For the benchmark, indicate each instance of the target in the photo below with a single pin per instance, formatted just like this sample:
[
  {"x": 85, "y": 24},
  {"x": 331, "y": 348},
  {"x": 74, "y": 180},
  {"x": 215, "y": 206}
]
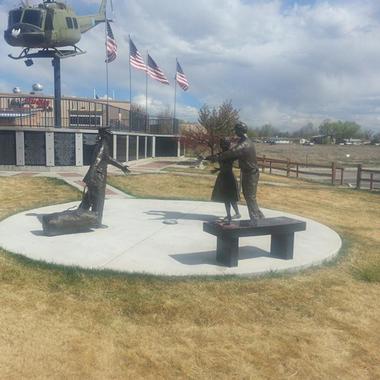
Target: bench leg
[
  {"x": 227, "y": 251},
  {"x": 282, "y": 246}
]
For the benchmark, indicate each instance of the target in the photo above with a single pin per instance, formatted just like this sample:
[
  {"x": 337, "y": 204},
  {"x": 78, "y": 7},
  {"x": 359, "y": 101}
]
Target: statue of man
[
  {"x": 96, "y": 177},
  {"x": 245, "y": 152}
]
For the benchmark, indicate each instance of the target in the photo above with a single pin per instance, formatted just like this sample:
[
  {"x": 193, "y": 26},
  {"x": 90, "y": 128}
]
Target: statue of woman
[{"x": 226, "y": 189}]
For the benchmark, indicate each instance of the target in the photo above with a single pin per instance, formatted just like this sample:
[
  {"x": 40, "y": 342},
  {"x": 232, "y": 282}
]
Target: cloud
[{"x": 285, "y": 65}]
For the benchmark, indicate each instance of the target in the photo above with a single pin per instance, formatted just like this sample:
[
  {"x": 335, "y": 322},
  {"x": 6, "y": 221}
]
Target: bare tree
[{"x": 213, "y": 124}]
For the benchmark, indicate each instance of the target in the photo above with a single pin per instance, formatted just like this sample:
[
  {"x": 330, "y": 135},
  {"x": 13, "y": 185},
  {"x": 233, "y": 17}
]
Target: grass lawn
[{"x": 319, "y": 324}]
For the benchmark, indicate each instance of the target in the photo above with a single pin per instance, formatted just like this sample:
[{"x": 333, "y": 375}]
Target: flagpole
[
  {"x": 146, "y": 95},
  {"x": 175, "y": 95},
  {"x": 130, "y": 85},
  {"x": 105, "y": 33}
]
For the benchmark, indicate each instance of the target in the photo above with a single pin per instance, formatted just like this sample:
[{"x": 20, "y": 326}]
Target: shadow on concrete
[
  {"x": 163, "y": 215},
  {"x": 42, "y": 233},
  {"x": 209, "y": 257}
]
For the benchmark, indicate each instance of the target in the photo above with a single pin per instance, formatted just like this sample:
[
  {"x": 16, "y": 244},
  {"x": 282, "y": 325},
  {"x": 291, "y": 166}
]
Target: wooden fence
[
  {"x": 333, "y": 172},
  {"x": 367, "y": 175}
]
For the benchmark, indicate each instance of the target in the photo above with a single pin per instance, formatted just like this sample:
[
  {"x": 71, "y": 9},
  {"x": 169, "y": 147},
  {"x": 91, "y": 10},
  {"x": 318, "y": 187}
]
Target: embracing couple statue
[{"x": 244, "y": 151}]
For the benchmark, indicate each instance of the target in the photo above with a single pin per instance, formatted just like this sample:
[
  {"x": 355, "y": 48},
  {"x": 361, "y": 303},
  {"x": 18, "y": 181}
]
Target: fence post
[
  {"x": 263, "y": 168},
  {"x": 359, "y": 176},
  {"x": 288, "y": 167},
  {"x": 341, "y": 176},
  {"x": 270, "y": 166},
  {"x": 371, "y": 181},
  {"x": 297, "y": 168},
  {"x": 333, "y": 172}
]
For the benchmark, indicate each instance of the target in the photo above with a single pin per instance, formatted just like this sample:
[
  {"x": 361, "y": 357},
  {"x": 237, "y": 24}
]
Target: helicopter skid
[{"x": 48, "y": 53}]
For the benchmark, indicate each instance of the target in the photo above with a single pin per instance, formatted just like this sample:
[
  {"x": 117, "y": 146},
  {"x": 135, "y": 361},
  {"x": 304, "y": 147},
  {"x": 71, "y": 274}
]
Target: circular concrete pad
[{"x": 160, "y": 237}]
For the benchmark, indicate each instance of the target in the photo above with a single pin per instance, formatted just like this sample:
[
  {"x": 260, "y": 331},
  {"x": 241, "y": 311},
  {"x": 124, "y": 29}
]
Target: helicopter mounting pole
[{"x": 56, "y": 62}]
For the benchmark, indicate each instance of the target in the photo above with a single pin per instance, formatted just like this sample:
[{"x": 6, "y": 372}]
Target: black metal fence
[{"x": 28, "y": 110}]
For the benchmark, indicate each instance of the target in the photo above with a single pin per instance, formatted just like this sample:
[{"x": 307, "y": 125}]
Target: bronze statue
[
  {"x": 226, "y": 189},
  {"x": 96, "y": 177},
  {"x": 89, "y": 214},
  {"x": 245, "y": 152}
]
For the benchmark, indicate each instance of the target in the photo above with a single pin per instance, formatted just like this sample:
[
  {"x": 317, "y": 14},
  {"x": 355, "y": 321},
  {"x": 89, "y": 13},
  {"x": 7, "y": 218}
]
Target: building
[
  {"x": 29, "y": 137},
  {"x": 322, "y": 139}
]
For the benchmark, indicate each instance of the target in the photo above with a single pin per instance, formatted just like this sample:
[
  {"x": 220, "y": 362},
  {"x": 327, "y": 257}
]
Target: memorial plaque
[
  {"x": 149, "y": 146},
  {"x": 89, "y": 141},
  {"x": 121, "y": 148},
  {"x": 35, "y": 148},
  {"x": 7, "y": 148},
  {"x": 142, "y": 147},
  {"x": 132, "y": 148},
  {"x": 64, "y": 149}
]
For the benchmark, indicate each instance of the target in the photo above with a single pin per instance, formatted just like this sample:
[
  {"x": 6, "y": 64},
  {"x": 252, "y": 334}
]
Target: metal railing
[{"x": 29, "y": 110}]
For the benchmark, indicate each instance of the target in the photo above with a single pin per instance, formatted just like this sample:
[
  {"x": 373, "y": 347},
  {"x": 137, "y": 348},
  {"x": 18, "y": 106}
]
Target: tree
[
  {"x": 213, "y": 124},
  {"x": 138, "y": 117},
  {"x": 267, "y": 130},
  {"x": 376, "y": 138},
  {"x": 368, "y": 134},
  {"x": 340, "y": 129},
  {"x": 306, "y": 131},
  {"x": 165, "y": 121}
]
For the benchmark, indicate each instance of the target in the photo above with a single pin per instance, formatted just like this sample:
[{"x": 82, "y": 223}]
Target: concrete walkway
[{"x": 74, "y": 176}]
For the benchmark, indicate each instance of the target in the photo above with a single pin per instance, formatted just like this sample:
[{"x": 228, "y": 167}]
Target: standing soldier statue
[
  {"x": 96, "y": 177},
  {"x": 245, "y": 152}
]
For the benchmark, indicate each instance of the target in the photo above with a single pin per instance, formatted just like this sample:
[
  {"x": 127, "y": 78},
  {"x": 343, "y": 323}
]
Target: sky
[{"x": 283, "y": 62}]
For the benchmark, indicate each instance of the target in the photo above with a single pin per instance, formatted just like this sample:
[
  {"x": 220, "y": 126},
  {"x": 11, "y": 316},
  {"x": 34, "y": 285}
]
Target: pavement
[
  {"x": 74, "y": 175},
  {"x": 156, "y": 236},
  {"x": 161, "y": 237}
]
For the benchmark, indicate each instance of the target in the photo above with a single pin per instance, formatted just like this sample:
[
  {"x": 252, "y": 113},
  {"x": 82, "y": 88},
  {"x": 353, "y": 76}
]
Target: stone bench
[{"x": 281, "y": 229}]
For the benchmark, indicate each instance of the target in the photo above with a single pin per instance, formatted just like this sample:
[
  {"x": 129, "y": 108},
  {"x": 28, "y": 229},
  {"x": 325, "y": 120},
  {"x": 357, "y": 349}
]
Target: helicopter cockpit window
[
  {"x": 75, "y": 23},
  {"x": 69, "y": 22},
  {"x": 14, "y": 17},
  {"x": 33, "y": 17}
]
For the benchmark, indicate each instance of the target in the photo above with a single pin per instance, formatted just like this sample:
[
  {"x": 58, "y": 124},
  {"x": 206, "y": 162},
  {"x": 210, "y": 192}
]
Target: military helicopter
[{"x": 49, "y": 26}]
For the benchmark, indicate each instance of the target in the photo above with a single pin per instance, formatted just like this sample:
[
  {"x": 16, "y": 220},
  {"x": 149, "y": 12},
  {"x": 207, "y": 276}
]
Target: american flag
[
  {"x": 110, "y": 44},
  {"x": 135, "y": 58},
  {"x": 181, "y": 79},
  {"x": 155, "y": 72}
]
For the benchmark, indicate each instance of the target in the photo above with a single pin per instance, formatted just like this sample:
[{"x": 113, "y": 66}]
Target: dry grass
[
  {"x": 369, "y": 155},
  {"x": 320, "y": 324},
  {"x": 192, "y": 184}
]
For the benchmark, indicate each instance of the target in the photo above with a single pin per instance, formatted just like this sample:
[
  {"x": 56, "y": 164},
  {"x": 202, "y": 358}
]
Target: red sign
[{"x": 35, "y": 103}]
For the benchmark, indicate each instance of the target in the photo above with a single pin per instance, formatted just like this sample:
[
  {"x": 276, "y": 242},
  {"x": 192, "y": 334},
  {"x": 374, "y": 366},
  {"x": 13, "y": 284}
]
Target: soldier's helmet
[{"x": 241, "y": 127}]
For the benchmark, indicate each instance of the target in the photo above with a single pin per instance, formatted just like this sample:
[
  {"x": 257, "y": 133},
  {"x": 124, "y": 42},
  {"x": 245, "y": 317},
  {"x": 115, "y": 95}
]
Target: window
[
  {"x": 14, "y": 17},
  {"x": 75, "y": 23},
  {"x": 33, "y": 17},
  {"x": 69, "y": 22}
]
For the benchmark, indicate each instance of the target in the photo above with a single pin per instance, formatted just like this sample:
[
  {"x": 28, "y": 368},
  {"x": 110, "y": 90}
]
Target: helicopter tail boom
[
  {"x": 88, "y": 22},
  {"x": 102, "y": 9}
]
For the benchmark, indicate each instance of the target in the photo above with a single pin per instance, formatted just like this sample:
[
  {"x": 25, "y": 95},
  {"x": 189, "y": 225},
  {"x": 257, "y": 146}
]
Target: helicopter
[{"x": 48, "y": 26}]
